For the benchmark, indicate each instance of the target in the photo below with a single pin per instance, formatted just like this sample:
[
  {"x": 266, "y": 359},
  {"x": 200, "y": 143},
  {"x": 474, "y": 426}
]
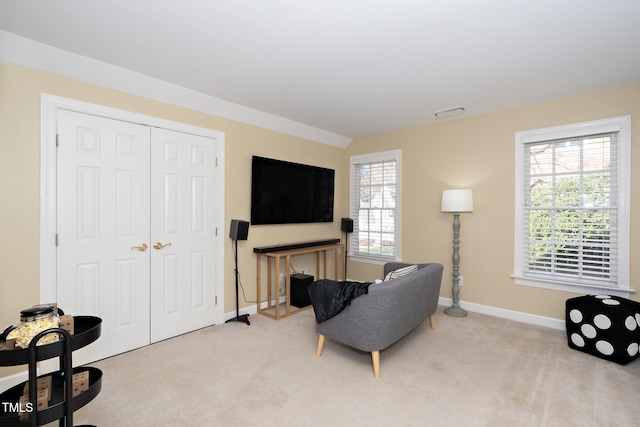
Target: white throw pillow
[{"x": 400, "y": 272}]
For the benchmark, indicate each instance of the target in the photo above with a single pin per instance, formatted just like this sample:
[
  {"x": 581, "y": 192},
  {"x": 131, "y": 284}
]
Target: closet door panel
[
  {"x": 183, "y": 233},
  {"x": 103, "y": 186}
]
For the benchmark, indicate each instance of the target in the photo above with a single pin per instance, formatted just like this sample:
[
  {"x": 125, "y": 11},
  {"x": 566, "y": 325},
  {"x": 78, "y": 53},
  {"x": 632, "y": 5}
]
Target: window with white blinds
[
  {"x": 375, "y": 197},
  {"x": 573, "y": 206}
]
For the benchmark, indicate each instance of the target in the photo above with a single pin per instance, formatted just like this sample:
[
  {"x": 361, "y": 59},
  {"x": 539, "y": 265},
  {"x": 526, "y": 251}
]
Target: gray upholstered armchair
[{"x": 388, "y": 312}]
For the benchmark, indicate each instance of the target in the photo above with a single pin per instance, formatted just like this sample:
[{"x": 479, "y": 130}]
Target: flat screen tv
[{"x": 289, "y": 193}]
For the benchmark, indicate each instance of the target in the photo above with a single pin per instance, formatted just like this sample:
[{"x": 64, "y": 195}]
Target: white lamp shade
[{"x": 457, "y": 201}]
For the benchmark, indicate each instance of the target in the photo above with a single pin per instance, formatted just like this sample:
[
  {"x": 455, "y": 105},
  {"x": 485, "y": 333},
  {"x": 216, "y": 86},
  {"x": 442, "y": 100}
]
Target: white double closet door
[{"x": 135, "y": 230}]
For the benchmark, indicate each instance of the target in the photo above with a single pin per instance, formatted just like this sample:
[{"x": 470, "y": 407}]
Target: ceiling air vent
[{"x": 449, "y": 112}]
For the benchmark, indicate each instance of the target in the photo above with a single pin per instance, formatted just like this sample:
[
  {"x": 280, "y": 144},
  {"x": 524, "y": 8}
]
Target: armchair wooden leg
[
  {"x": 375, "y": 356},
  {"x": 320, "y": 345},
  {"x": 432, "y": 321}
]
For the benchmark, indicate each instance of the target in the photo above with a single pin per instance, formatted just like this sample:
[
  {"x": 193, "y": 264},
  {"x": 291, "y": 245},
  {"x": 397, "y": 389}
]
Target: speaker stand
[
  {"x": 346, "y": 254},
  {"x": 239, "y": 318}
]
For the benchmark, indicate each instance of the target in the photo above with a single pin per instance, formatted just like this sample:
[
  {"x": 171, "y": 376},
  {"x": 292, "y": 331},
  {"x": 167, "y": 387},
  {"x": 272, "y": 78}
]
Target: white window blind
[
  {"x": 572, "y": 218},
  {"x": 375, "y": 195},
  {"x": 570, "y": 209}
]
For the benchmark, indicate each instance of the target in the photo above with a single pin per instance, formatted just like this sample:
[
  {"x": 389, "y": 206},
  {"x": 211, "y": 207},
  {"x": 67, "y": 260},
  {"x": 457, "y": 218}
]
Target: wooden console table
[{"x": 285, "y": 252}]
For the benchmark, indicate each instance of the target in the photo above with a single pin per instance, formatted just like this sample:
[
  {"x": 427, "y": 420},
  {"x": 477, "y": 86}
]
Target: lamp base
[{"x": 455, "y": 311}]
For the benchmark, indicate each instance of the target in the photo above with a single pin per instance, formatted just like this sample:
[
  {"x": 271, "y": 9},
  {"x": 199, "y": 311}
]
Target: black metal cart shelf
[{"x": 87, "y": 330}]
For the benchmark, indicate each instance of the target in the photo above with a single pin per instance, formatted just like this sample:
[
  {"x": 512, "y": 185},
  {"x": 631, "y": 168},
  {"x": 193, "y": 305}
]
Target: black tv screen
[{"x": 288, "y": 193}]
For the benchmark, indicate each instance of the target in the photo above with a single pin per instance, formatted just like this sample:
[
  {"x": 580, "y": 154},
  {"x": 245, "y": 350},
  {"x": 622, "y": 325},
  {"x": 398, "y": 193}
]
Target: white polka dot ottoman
[{"x": 604, "y": 326}]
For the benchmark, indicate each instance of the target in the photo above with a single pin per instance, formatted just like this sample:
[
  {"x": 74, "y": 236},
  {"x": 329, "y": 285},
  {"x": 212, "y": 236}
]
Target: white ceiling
[{"x": 352, "y": 67}]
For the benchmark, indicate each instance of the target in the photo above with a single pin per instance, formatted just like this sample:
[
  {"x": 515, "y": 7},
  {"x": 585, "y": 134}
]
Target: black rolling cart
[{"x": 61, "y": 403}]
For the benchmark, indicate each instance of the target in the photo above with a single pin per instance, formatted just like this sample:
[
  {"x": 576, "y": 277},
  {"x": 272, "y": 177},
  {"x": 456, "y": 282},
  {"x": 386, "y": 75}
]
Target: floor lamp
[
  {"x": 456, "y": 201},
  {"x": 239, "y": 231}
]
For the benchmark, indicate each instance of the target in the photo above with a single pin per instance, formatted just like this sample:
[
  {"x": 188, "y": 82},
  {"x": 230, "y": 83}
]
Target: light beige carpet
[{"x": 474, "y": 371}]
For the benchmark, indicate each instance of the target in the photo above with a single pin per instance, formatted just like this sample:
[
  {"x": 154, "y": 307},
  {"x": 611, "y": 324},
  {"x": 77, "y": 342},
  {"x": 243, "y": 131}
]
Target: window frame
[
  {"x": 622, "y": 126},
  {"x": 395, "y": 155}
]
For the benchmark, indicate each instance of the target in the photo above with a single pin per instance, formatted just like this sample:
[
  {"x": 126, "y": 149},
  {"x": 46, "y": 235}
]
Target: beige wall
[
  {"x": 478, "y": 153},
  {"x": 20, "y": 90},
  {"x": 475, "y": 152}
]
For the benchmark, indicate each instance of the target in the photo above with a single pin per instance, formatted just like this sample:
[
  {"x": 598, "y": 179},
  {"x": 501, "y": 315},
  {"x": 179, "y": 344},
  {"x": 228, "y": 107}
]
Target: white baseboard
[
  {"x": 548, "y": 322},
  {"x": 247, "y": 310},
  {"x": 44, "y": 367},
  {"x": 251, "y": 309},
  {"x": 10, "y": 380}
]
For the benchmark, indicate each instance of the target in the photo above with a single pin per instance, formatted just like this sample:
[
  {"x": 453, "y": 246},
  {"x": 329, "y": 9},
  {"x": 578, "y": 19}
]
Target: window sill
[
  {"x": 378, "y": 261},
  {"x": 572, "y": 287}
]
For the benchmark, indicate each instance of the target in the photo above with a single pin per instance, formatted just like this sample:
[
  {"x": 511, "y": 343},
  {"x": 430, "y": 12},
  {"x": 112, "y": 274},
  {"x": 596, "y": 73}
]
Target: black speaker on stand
[
  {"x": 239, "y": 231},
  {"x": 347, "y": 227}
]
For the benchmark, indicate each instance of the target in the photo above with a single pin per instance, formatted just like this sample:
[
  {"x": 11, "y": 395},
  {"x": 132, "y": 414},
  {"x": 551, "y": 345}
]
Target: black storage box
[{"x": 300, "y": 290}]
